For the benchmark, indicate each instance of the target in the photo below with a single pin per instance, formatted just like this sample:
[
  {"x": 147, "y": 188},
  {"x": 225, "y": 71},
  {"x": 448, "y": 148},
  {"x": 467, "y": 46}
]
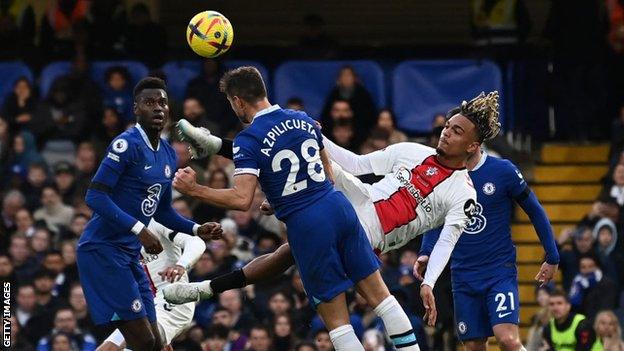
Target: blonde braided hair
[{"x": 483, "y": 112}]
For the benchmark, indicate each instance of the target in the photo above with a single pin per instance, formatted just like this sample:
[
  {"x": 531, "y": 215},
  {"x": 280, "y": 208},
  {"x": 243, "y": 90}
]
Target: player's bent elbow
[{"x": 242, "y": 204}]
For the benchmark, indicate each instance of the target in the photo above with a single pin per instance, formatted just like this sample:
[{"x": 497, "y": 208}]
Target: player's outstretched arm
[
  {"x": 192, "y": 249},
  {"x": 238, "y": 197},
  {"x": 349, "y": 161},
  {"x": 166, "y": 215},
  {"x": 531, "y": 206}
]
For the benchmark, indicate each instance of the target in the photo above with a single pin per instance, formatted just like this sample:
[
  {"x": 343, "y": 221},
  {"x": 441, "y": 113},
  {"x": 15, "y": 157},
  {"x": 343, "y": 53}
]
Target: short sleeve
[
  {"x": 515, "y": 181},
  {"x": 244, "y": 156},
  {"x": 118, "y": 155}
]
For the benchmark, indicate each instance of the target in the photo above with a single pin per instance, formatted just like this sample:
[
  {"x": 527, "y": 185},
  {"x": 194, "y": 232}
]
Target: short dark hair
[
  {"x": 590, "y": 256},
  {"x": 302, "y": 344},
  {"x": 295, "y": 100},
  {"x": 53, "y": 252},
  {"x": 123, "y": 71},
  {"x": 261, "y": 327},
  {"x": 560, "y": 293},
  {"x": 321, "y": 331},
  {"x": 245, "y": 82},
  {"x": 148, "y": 83},
  {"x": 217, "y": 330}
]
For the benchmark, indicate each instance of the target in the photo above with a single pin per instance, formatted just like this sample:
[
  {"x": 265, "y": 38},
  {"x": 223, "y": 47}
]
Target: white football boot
[
  {"x": 181, "y": 293},
  {"x": 202, "y": 142}
]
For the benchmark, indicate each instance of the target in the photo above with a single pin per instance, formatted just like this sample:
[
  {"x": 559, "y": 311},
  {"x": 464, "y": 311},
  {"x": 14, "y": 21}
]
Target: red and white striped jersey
[{"x": 417, "y": 194}]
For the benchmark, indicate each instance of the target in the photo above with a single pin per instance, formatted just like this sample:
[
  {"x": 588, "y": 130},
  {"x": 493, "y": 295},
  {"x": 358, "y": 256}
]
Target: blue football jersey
[
  {"x": 144, "y": 176},
  {"x": 282, "y": 148},
  {"x": 485, "y": 249}
]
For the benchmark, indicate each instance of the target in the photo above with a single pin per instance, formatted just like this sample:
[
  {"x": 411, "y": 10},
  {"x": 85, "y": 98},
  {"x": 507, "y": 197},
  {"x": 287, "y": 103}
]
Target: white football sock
[
  {"x": 397, "y": 324},
  {"x": 344, "y": 339}
]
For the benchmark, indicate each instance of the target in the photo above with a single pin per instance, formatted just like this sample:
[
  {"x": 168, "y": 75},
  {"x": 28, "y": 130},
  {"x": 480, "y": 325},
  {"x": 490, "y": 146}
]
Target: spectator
[
  {"x": 24, "y": 264},
  {"x": 236, "y": 340},
  {"x": 18, "y": 341},
  {"x": 566, "y": 330},
  {"x": 216, "y": 338},
  {"x": 108, "y": 21},
  {"x": 195, "y": 112},
  {"x": 386, "y": 120},
  {"x": 241, "y": 319},
  {"x": 322, "y": 340},
  {"x": 53, "y": 211},
  {"x": 305, "y": 346},
  {"x": 86, "y": 165},
  {"x": 295, "y": 103},
  {"x": 205, "y": 88},
  {"x": 283, "y": 339},
  {"x": 279, "y": 303},
  {"x": 111, "y": 126},
  {"x": 33, "y": 188},
  {"x": 78, "y": 304},
  {"x": 343, "y": 134},
  {"x": 608, "y": 331},
  {"x": 47, "y": 304},
  {"x": 24, "y": 154},
  {"x": 222, "y": 257},
  {"x": 76, "y": 227},
  {"x": 373, "y": 340},
  {"x": 340, "y": 109},
  {"x": 591, "y": 291},
  {"x": 12, "y": 202},
  {"x": 184, "y": 160},
  {"x": 118, "y": 93},
  {"x": 26, "y": 304},
  {"x": 204, "y": 268},
  {"x": 40, "y": 242},
  {"x": 6, "y": 271},
  {"x": 68, "y": 249},
  {"x": 350, "y": 89},
  {"x": 60, "y": 116},
  {"x": 53, "y": 261},
  {"x": 606, "y": 237},
  {"x": 82, "y": 88},
  {"x": 65, "y": 180},
  {"x": 582, "y": 243},
  {"x": 65, "y": 322},
  {"x": 24, "y": 222},
  {"x": 617, "y": 189},
  {"x": 617, "y": 137},
  {"x": 182, "y": 207},
  {"x": 260, "y": 339},
  {"x": 314, "y": 41},
  {"x": 540, "y": 319},
  {"x": 146, "y": 40},
  {"x": 58, "y": 27},
  {"x": 20, "y": 105}
]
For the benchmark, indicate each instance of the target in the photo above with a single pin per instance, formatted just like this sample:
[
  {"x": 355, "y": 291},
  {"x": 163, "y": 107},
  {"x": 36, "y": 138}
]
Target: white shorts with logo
[{"x": 172, "y": 320}]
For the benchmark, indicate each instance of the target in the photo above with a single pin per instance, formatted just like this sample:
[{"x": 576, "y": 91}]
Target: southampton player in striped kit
[
  {"x": 421, "y": 190},
  {"x": 180, "y": 252},
  {"x": 483, "y": 264}
]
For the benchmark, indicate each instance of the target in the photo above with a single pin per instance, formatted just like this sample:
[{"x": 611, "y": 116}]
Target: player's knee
[{"x": 510, "y": 343}]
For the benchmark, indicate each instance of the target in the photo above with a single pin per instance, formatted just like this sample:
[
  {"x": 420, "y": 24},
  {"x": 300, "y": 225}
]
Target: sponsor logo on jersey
[
  {"x": 235, "y": 149},
  {"x": 503, "y": 315},
  {"x": 489, "y": 188},
  {"x": 167, "y": 171},
  {"x": 149, "y": 205},
  {"x": 474, "y": 211},
  {"x": 120, "y": 145},
  {"x": 462, "y": 328},
  {"x": 136, "y": 306}
]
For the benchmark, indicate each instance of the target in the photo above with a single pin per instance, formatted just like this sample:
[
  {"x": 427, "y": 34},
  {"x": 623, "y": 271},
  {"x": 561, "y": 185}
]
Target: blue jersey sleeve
[
  {"x": 245, "y": 155},
  {"x": 518, "y": 189},
  {"x": 429, "y": 240},
  {"x": 167, "y": 216},
  {"x": 119, "y": 155}
]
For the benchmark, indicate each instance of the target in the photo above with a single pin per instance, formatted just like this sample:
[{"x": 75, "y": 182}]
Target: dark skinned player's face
[
  {"x": 152, "y": 109},
  {"x": 459, "y": 137}
]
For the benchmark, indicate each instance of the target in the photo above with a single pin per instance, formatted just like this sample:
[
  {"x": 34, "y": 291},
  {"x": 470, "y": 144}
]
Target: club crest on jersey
[
  {"x": 474, "y": 211},
  {"x": 462, "y": 328},
  {"x": 120, "y": 145},
  {"x": 167, "y": 171},
  {"x": 136, "y": 306},
  {"x": 489, "y": 188},
  {"x": 149, "y": 205},
  {"x": 431, "y": 171}
]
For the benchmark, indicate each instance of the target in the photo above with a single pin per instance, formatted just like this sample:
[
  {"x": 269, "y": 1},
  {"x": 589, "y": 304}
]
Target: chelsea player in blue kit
[
  {"x": 283, "y": 150},
  {"x": 132, "y": 185},
  {"x": 483, "y": 263}
]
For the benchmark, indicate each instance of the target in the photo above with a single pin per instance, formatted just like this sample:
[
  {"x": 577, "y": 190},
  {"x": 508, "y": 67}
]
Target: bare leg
[
  {"x": 138, "y": 334},
  {"x": 335, "y": 315},
  {"x": 269, "y": 266},
  {"x": 158, "y": 339},
  {"x": 508, "y": 336},
  {"x": 476, "y": 345}
]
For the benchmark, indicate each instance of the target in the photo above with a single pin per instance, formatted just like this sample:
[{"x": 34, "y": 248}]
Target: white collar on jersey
[
  {"x": 266, "y": 110},
  {"x": 146, "y": 139},
  {"x": 484, "y": 156}
]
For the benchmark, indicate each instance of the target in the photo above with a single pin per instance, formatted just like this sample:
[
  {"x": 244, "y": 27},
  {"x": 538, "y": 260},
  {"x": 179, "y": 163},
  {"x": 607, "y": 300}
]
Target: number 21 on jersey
[{"x": 314, "y": 166}]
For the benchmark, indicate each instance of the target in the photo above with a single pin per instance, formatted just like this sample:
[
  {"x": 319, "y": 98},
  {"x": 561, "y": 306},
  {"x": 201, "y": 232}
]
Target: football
[{"x": 210, "y": 34}]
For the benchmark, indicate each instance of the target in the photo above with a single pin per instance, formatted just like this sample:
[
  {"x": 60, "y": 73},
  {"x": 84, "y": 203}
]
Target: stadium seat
[
  {"x": 421, "y": 89},
  {"x": 313, "y": 80},
  {"x": 136, "y": 69},
  {"x": 179, "y": 73},
  {"x": 50, "y": 73},
  {"x": 10, "y": 72}
]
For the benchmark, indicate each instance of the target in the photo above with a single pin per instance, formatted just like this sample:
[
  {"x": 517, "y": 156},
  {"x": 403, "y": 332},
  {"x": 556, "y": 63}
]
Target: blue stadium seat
[
  {"x": 10, "y": 72},
  {"x": 422, "y": 89},
  {"x": 136, "y": 69},
  {"x": 50, "y": 73},
  {"x": 313, "y": 80},
  {"x": 179, "y": 73}
]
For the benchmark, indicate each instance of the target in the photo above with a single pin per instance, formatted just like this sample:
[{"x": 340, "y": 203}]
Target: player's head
[
  {"x": 151, "y": 105},
  {"x": 468, "y": 125},
  {"x": 244, "y": 88},
  {"x": 559, "y": 305}
]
